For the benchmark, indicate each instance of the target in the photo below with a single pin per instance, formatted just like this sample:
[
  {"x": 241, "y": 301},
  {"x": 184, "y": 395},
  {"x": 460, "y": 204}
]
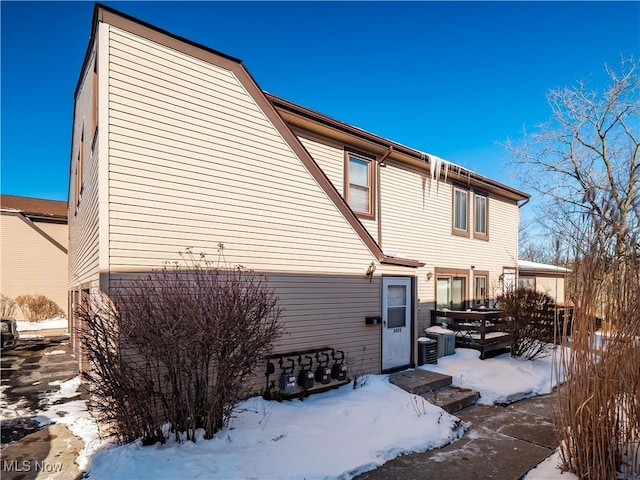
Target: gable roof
[
  {"x": 305, "y": 118},
  {"x": 132, "y": 25},
  {"x": 37, "y": 207}
]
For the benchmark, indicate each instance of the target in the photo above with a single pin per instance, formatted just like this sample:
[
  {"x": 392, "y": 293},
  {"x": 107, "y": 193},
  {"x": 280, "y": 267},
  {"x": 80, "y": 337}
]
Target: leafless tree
[{"x": 583, "y": 163}]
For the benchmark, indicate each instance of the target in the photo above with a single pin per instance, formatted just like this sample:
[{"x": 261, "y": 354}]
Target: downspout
[{"x": 379, "y": 195}]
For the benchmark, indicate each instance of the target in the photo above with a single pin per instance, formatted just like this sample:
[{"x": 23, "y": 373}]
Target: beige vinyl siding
[
  {"x": 552, "y": 286},
  {"x": 416, "y": 222},
  {"x": 323, "y": 311},
  {"x": 30, "y": 263},
  {"x": 58, "y": 231},
  {"x": 330, "y": 157},
  {"x": 416, "y": 216},
  {"x": 83, "y": 220},
  {"x": 194, "y": 162}
]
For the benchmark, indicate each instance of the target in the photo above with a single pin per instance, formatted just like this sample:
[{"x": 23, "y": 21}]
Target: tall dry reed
[{"x": 599, "y": 405}]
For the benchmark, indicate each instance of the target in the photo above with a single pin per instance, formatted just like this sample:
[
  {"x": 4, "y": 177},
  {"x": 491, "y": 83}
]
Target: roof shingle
[{"x": 34, "y": 206}]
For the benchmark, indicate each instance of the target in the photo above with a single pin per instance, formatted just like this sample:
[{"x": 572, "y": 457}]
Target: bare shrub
[
  {"x": 7, "y": 306},
  {"x": 38, "y": 307},
  {"x": 179, "y": 345},
  {"x": 122, "y": 395},
  {"x": 529, "y": 318}
]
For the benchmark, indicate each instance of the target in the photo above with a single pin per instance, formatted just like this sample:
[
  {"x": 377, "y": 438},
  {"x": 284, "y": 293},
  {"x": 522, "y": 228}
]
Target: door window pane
[
  {"x": 396, "y": 295},
  {"x": 396, "y": 306},
  {"x": 396, "y": 317}
]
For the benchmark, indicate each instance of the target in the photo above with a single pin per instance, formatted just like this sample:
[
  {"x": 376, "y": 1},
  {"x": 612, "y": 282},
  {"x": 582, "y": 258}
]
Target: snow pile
[
  {"x": 336, "y": 434},
  {"x": 549, "y": 469},
  {"x": 49, "y": 323},
  {"x": 65, "y": 407},
  {"x": 501, "y": 379}
]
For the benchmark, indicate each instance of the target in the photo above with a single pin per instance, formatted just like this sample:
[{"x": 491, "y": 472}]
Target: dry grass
[
  {"x": 38, "y": 307},
  {"x": 7, "y": 306},
  {"x": 599, "y": 406}
]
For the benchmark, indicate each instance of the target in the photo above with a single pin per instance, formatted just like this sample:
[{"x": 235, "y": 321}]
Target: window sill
[
  {"x": 460, "y": 233},
  {"x": 365, "y": 216}
]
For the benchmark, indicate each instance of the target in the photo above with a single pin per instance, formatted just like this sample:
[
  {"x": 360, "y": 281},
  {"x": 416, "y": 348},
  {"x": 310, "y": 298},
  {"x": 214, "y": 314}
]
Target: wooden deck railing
[{"x": 477, "y": 329}]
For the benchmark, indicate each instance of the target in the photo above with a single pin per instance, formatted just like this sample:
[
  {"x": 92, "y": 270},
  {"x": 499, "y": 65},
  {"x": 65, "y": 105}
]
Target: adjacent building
[{"x": 33, "y": 239}]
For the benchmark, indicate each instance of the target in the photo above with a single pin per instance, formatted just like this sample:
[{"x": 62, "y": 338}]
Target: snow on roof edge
[{"x": 543, "y": 267}]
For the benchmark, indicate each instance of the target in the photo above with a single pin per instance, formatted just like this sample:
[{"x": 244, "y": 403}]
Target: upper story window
[
  {"x": 79, "y": 181},
  {"x": 460, "y": 212},
  {"x": 94, "y": 97},
  {"x": 480, "y": 217},
  {"x": 358, "y": 184}
]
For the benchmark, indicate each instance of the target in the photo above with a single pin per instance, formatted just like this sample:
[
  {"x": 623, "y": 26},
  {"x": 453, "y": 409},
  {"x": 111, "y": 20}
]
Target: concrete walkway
[
  {"x": 502, "y": 443},
  {"x": 49, "y": 453},
  {"x": 28, "y": 371}
]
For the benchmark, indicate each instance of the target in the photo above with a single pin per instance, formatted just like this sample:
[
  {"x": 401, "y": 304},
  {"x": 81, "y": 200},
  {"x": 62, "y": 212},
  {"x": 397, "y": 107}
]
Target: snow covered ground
[
  {"x": 501, "y": 379},
  {"x": 548, "y": 470},
  {"x": 336, "y": 434},
  {"x": 50, "y": 323},
  {"x": 33, "y": 330}
]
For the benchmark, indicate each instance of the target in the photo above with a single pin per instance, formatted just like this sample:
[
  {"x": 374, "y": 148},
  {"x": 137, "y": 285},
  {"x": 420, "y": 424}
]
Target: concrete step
[
  {"x": 451, "y": 399},
  {"x": 419, "y": 381}
]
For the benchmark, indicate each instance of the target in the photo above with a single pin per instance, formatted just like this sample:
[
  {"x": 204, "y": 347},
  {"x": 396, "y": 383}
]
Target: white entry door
[{"x": 396, "y": 322}]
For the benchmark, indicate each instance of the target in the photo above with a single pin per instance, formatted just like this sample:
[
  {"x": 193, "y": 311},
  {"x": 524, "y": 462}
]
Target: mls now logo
[{"x": 30, "y": 465}]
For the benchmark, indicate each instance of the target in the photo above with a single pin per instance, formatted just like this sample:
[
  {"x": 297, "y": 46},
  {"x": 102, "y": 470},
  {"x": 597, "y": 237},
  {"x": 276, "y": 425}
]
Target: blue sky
[{"x": 448, "y": 78}]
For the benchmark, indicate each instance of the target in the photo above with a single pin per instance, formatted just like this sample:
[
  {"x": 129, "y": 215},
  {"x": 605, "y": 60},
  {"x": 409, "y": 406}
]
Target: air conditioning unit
[
  {"x": 446, "y": 340},
  {"x": 427, "y": 351}
]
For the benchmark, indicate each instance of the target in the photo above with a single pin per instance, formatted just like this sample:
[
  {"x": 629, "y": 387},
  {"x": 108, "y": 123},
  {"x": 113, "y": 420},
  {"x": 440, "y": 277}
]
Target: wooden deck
[{"x": 477, "y": 329}]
